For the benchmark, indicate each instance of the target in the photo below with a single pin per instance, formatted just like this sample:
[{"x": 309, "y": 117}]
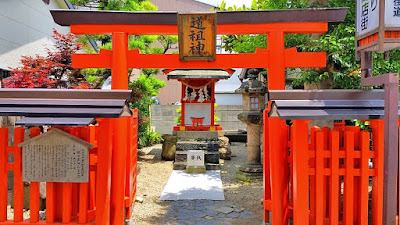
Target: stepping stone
[
  {"x": 224, "y": 209},
  {"x": 233, "y": 215}
]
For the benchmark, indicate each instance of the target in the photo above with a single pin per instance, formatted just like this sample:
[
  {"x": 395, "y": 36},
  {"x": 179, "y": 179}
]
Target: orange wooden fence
[
  {"x": 71, "y": 203},
  {"x": 323, "y": 176}
]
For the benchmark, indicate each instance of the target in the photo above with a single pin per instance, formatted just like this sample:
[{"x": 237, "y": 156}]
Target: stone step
[
  {"x": 213, "y": 166},
  {"x": 197, "y": 145},
  {"x": 209, "y": 166},
  {"x": 210, "y": 157},
  {"x": 196, "y": 135}
]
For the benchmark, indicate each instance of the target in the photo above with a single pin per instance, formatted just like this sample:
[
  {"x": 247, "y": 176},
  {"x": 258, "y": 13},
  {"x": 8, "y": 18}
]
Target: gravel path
[{"x": 242, "y": 204}]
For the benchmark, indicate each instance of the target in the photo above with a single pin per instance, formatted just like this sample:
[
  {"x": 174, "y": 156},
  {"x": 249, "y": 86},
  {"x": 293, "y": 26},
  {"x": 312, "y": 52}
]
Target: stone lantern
[{"x": 253, "y": 95}]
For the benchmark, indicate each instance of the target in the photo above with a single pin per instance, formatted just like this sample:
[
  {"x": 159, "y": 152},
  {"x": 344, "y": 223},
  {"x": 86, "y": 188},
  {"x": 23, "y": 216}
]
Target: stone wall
[{"x": 163, "y": 117}]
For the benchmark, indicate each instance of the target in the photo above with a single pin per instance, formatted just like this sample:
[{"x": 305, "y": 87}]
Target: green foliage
[
  {"x": 143, "y": 89},
  {"x": 144, "y": 43},
  {"x": 178, "y": 119},
  {"x": 364, "y": 125},
  {"x": 338, "y": 43}
]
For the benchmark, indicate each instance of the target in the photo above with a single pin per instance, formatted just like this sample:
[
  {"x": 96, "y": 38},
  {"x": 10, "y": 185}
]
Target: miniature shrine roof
[
  {"x": 70, "y": 17},
  {"x": 327, "y": 104},
  {"x": 198, "y": 74},
  {"x": 64, "y": 103}
]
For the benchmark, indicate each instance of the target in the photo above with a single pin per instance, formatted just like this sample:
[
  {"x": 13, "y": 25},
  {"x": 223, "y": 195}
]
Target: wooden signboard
[
  {"x": 197, "y": 36},
  {"x": 55, "y": 156}
]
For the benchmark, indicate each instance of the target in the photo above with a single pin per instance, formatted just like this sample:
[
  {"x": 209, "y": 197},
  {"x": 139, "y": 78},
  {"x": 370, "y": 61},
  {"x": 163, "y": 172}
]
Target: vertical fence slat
[
  {"x": 349, "y": 179},
  {"x": 356, "y": 184},
  {"x": 279, "y": 179},
  {"x": 3, "y": 173},
  {"x": 75, "y": 196},
  {"x": 50, "y": 202},
  {"x": 266, "y": 165},
  {"x": 377, "y": 180},
  {"x": 18, "y": 184},
  {"x": 66, "y": 202},
  {"x": 300, "y": 172},
  {"x": 135, "y": 147},
  {"x": 334, "y": 179},
  {"x": 129, "y": 171},
  {"x": 92, "y": 174},
  {"x": 118, "y": 170},
  {"x": 313, "y": 131},
  {"x": 319, "y": 179},
  {"x": 326, "y": 131},
  {"x": 364, "y": 179},
  {"x": 103, "y": 181},
  {"x": 34, "y": 188},
  {"x": 84, "y": 187}
]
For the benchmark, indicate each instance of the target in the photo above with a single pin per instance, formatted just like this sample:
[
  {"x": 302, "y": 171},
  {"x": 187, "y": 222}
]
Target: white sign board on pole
[
  {"x": 367, "y": 16},
  {"x": 392, "y": 13}
]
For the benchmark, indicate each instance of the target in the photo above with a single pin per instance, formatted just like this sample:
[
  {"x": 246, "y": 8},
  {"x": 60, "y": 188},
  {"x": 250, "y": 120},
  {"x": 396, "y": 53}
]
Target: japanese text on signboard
[
  {"x": 367, "y": 16},
  {"x": 197, "y": 36}
]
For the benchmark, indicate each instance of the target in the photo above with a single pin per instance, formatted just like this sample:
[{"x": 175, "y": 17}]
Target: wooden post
[
  {"x": 300, "y": 172},
  {"x": 119, "y": 81},
  {"x": 18, "y": 184},
  {"x": 3, "y": 173},
  {"x": 348, "y": 202},
  {"x": 334, "y": 179},
  {"x": 103, "y": 182},
  {"x": 34, "y": 188},
  {"x": 377, "y": 180},
  {"x": 266, "y": 166},
  {"x": 279, "y": 172}
]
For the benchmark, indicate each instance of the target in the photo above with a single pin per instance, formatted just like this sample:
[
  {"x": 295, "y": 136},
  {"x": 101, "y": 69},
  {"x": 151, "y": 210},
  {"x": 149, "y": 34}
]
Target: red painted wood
[{"x": 260, "y": 28}]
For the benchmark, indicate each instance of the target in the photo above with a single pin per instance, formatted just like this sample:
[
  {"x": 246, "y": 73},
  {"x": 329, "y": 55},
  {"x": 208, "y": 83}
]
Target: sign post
[{"x": 378, "y": 30}]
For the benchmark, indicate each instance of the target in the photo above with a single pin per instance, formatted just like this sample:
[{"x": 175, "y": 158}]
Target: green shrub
[{"x": 143, "y": 89}]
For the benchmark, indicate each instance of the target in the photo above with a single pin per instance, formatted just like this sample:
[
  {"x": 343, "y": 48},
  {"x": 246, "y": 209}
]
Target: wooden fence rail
[
  {"x": 329, "y": 176},
  {"x": 71, "y": 203}
]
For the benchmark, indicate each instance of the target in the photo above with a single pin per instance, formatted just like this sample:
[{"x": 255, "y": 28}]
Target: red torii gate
[{"x": 276, "y": 58}]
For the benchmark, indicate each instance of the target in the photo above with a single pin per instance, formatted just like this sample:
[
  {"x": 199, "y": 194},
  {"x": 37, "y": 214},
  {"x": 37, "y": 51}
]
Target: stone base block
[
  {"x": 196, "y": 135},
  {"x": 179, "y": 166},
  {"x": 212, "y": 157},
  {"x": 212, "y": 166},
  {"x": 209, "y": 166},
  {"x": 181, "y": 156},
  {"x": 195, "y": 169},
  {"x": 198, "y": 145}
]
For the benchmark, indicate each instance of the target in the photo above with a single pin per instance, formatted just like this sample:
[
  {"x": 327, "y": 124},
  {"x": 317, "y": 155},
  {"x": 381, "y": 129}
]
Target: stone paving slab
[
  {"x": 207, "y": 212},
  {"x": 184, "y": 186}
]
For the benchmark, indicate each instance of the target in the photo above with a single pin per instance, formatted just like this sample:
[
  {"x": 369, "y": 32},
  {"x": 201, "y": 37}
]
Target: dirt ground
[{"x": 154, "y": 173}]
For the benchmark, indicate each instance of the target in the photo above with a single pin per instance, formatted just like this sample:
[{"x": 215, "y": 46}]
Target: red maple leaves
[{"x": 51, "y": 71}]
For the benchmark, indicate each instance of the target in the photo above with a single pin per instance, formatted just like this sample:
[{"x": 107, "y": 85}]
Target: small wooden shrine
[{"x": 198, "y": 98}]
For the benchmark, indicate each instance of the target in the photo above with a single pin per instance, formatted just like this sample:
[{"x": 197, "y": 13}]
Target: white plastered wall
[
  {"x": 26, "y": 27},
  {"x": 198, "y": 110}
]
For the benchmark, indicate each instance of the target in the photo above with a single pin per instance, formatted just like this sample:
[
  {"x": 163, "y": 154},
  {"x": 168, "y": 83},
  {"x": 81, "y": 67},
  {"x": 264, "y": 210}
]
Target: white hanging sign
[
  {"x": 367, "y": 16},
  {"x": 392, "y": 13}
]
